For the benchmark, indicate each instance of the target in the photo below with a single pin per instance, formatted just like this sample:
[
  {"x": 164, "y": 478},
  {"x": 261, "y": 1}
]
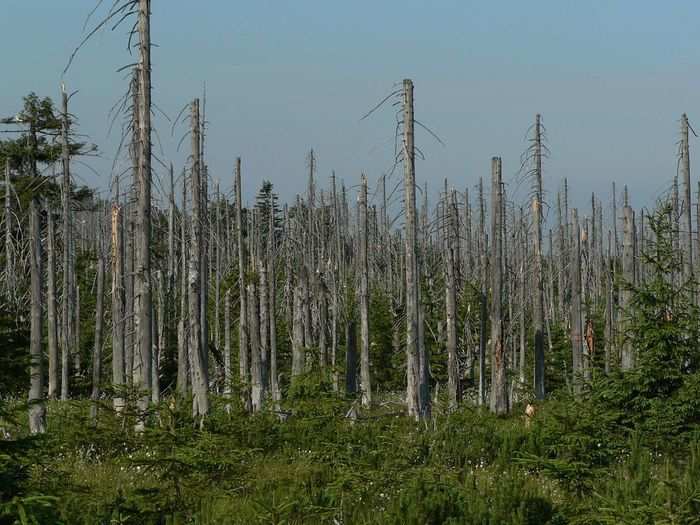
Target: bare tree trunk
[
  {"x": 67, "y": 298},
  {"x": 264, "y": 312},
  {"x": 365, "y": 381},
  {"x": 627, "y": 353},
  {"x": 118, "y": 322},
  {"x": 142, "y": 269},
  {"x": 51, "y": 307},
  {"x": 686, "y": 207},
  {"x": 483, "y": 270},
  {"x": 256, "y": 389},
  {"x": 242, "y": 327},
  {"x": 37, "y": 410},
  {"x": 337, "y": 279},
  {"x": 451, "y": 253},
  {"x": 298, "y": 358},
  {"x": 274, "y": 384},
  {"x": 609, "y": 304},
  {"x": 159, "y": 335},
  {"x": 227, "y": 348},
  {"x": 182, "y": 346},
  {"x": 499, "y": 385},
  {"x": 576, "y": 309},
  {"x": 9, "y": 252},
  {"x": 351, "y": 356},
  {"x": 200, "y": 383},
  {"x": 412, "y": 274},
  {"x": 99, "y": 315},
  {"x": 539, "y": 285}
]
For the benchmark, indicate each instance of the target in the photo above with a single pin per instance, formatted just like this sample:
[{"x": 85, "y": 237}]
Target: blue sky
[{"x": 611, "y": 79}]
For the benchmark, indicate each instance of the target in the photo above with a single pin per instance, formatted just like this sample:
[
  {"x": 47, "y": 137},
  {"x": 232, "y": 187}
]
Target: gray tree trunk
[
  {"x": 256, "y": 387},
  {"x": 66, "y": 289},
  {"x": 499, "y": 385},
  {"x": 243, "y": 355},
  {"x": 576, "y": 308},
  {"x": 538, "y": 318},
  {"x": 365, "y": 381},
  {"x": 51, "y": 307},
  {"x": 627, "y": 352},
  {"x": 412, "y": 272},
  {"x": 684, "y": 164},
  {"x": 37, "y": 410},
  {"x": 200, "y": 381},
  {"x": 142, "y": 268},
  {"x": 182, "y": 346},
  {"x": 99, "y": 316},
  {"x": 451, "y": 253},
  {"x": 118, "y": 321}
]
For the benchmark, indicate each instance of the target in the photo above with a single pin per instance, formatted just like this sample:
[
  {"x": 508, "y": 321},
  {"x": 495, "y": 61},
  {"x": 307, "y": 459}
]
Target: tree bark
[
  {"x": 243, "y": 355},
  {"x": 200, "y": 382},
  {"x": 499, "y": 386},
  {"x": 99, "y": 315},
  {"x": 142, "y": 269},
  {"x": 365, "y": 380},
  {"x": 51, "y": 308},
  {"x": 413, "y": 346}
]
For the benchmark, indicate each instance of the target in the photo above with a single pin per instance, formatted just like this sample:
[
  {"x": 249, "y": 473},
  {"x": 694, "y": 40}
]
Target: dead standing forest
[{"x": 357, "y": 355}]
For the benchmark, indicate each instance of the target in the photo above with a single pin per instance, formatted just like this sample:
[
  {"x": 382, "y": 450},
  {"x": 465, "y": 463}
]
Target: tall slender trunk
[
  {"x": 200, "y": 382},
  {"x": 576, "y": 308},
  {"x": 483, "y": 278},
  {"x": 365, "y": 381},
  {"x": 412, "y": 271},
  {"x": 99, "y": 316},
  {"x": 538, "y": 319},
  {"x": 499, "y": 385},
  {"x": 243, "y": 355},
  {"x": 51, "y": 307},
  {"x": 687, "y": 204},
  {"x": 227, "y": 347},
  {"x": 142, "y": 266},
  {"x": 451, "y": 253},
  {"x": 297, "y": 334},
  {"x": 256, "y": 387},
  {"x": 271, "y": 248},
  {"x": 182, "y": 346},
  {"x": 118, "y": 321},
  {"x": 627, "y": 352},
  {"x": 66, "y": 288},
  {"x": 37, "y": 410},
  {"x": 9, "y": 252}
]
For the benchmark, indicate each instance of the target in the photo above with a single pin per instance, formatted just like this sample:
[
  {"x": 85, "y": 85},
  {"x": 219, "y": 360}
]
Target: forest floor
[{"x": 319, "y": 466}]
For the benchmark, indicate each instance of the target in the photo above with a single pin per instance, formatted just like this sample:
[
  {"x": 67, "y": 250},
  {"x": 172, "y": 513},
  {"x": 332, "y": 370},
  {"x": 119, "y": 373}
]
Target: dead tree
[
  {"x": 576, "y": 308},
  {"x": 413, "y": 345},
  {"x": 627, "y": 352},
  {"x": 538, "y": 318},
  {"x": 142, "y": 267},
  {"x": 182, "y": 346},
  {"x": 243, "y": 356},
  {"x": 99, "y": 316},
  {"x": 51, "y": 306},
  {"x": 499, "y": 384},
  {"x": 37, "y": 410},
  {"x": 200, "y": 383},
  {"x": 684, "y": 165},
  {"x": 67, "y": 290},
  {"x": 451, "y": 255},
  {"x": 365, "y": 382},
  {"x": 118, "y": 321}
]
